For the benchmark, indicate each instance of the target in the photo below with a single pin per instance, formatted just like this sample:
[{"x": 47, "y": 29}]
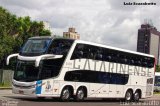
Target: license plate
[{"x": 21, "y": 92}]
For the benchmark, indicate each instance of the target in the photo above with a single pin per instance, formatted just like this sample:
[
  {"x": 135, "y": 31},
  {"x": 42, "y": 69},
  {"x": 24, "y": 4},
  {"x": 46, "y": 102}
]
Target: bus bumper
[{"x": 22, "y": 91}]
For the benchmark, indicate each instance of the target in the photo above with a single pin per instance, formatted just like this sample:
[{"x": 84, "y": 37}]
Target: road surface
[{"x": 9, "y": 99}]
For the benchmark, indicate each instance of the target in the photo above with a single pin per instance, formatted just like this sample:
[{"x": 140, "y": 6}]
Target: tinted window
[
  {"x": 35, "y": 47},
  {"x": 78, "y": 52},
  {"x": 109, "y": 55},
  {"x": 60, "y": 46},
  {"x": 50, "y": 68},
  {"x": 96, "y": 77},
  {"x": 157, "y": 81},
  {"x": 26, "y": 71}
]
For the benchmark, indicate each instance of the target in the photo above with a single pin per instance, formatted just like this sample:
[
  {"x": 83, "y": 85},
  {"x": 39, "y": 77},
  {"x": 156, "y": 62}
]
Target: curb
[{"x": 5, "y": 88}]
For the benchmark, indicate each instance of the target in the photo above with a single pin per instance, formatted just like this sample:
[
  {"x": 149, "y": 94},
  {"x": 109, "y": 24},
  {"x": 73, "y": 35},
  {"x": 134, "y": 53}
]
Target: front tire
[
  {"x": 65, "y": 94},
  {"x": 128, "y": 96},
  {"x": 80, "y": 95}
]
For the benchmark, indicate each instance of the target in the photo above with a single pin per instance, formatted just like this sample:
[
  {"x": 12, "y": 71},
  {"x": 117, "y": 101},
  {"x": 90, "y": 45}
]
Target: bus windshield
[
  {"x": 27, "y": 72},
  {"x": 35, "y": 47}
]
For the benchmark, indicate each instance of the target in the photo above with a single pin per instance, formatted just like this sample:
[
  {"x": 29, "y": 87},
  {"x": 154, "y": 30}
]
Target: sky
[{"x": 108, "y": 22}]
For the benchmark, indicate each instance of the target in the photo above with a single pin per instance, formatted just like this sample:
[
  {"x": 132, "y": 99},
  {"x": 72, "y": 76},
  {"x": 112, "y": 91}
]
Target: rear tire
[
  {"x": 65, "y": 94},
  {"x": 136, "y": 96},
  {"x": 128, "y": 96},
  {"x": 80, "y": 95}
]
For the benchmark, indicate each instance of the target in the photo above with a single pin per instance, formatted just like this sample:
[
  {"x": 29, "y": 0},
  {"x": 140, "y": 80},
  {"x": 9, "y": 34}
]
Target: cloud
[{"x": 103, "y": 21}]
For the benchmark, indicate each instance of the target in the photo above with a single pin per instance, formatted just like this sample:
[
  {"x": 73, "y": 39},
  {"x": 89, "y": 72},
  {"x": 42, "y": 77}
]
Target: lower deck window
[{"x": 96, "y": 77}]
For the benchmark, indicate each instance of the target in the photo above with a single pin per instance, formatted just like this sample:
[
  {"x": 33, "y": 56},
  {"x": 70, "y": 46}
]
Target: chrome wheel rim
[
  {"x": 65, "y": 94},
  {"x": 136, "y": 96},
  {"x": 80, "y": 94},
  {"x": 128, "y": 96}
]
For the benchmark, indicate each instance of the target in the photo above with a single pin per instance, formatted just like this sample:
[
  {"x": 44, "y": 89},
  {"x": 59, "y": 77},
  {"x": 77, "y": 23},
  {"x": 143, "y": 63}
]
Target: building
[
  {"x": 71, "y": 34},
  {"x": 46, "y": 25},
  {"x": 148, "y": 40}
]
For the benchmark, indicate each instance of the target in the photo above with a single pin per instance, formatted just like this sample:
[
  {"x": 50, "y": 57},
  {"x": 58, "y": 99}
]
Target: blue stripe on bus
[{"x": 38, "y": 87}]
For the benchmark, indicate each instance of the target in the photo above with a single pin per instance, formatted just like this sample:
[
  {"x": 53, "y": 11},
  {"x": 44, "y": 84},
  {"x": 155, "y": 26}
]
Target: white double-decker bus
[{"x": 66, "y": 68}]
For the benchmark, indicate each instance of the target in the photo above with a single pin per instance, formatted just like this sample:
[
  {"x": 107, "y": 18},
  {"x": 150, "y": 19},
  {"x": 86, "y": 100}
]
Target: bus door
[
  {"x": 44, "y": 87},
  {"x": 117, "y": 82},
  {"x": 103, "y": 90},
  {"x": 112, "y": 90},
  {"x": 49, "y": 69},
  {"x": 100, "y": 87}
]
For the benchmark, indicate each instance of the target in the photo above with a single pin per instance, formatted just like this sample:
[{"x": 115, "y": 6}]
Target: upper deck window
[
  {"x": 60, "y": 46},
  {"x": 87, "y": 51},
  {"x": 35, "y": 47}
]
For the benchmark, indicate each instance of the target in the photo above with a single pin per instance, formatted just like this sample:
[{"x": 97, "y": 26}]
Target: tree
[
  {"x": 6, "y": 47},
  {"x": 14, "y": 31},
  {"x": 157, "y": 68},
  {"x": 37, "y": 29}
]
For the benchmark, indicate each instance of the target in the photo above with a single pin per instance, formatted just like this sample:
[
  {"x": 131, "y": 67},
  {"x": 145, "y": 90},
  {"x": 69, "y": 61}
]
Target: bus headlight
[{"x": 32, "y": 86}]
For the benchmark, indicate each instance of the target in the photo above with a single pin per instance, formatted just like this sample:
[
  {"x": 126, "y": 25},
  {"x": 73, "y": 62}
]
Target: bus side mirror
[
  {"x": 11, "y": 56},
  {"x": 11, "y": 61}
]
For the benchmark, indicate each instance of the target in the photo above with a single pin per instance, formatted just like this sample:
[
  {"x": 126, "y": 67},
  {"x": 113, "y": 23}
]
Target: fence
[{"x": 6, "y": 77}]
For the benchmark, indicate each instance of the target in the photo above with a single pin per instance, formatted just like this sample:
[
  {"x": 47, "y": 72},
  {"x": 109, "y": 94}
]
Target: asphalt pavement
[{"x": 9, "y": 99}]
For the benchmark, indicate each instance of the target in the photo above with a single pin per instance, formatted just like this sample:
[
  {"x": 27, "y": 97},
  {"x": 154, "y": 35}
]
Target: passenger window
[
  {"x": 150, "y": 65},
  {"x": 98, "y": 57},
  {"x": 91, "y": 55},
  {"x": 132, "y": 62},
  {"x": 125, "y": 60},
  {"x": 108, "y": 58},
  {"x": 86, "y": 51},
  {"x": 98, "y": 54},
  {"x": 109, "y": 55},
  {"x": 78, "y": 52},
  {"x": 113, "y": 78},
  {"x": 104, "y": 78},
  {"x": 144, "y": 64}
]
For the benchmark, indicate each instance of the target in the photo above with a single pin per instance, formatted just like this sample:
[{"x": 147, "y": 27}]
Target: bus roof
[
  {"x": 49, "y": 37},
  {"x": 42, "y": 37},
  {"x": 95, "y": 44},
  {"x": 114, "y": 48}
]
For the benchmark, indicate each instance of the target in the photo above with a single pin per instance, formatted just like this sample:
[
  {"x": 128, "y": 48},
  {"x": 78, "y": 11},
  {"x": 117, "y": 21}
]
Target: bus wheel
[
  {"x": 136, "y": 96},
  {"x": 65, "y": 94},
  {"x": 80, "y": 95},
  {"x": 128, "y": 96}
]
